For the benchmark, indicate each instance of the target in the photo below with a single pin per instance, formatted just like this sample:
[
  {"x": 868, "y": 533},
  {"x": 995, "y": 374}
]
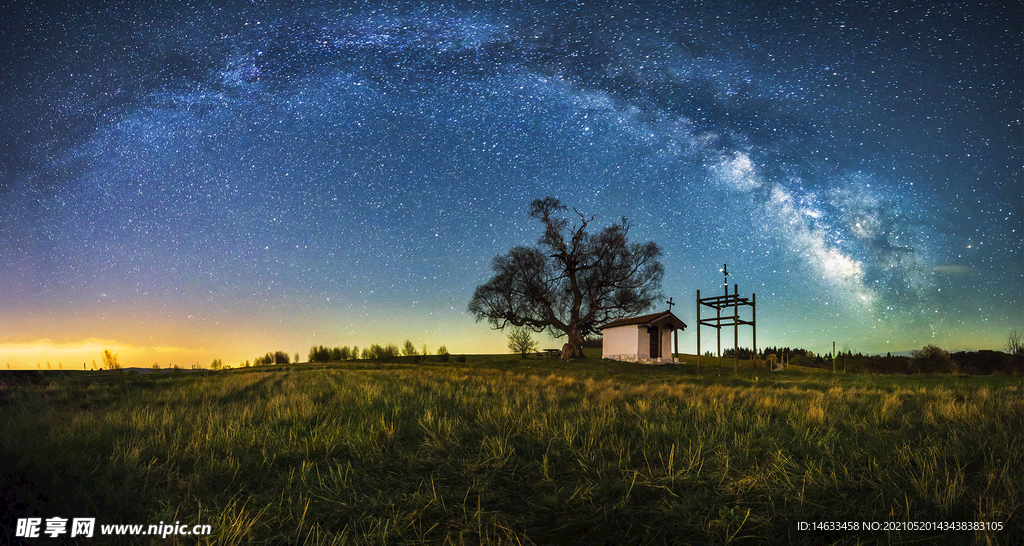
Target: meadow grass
[{"x": 507, "y": 451}]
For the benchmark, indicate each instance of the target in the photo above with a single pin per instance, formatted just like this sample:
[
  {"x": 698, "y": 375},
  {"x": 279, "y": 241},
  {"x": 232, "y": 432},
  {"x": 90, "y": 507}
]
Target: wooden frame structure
[{"x": 725, "y": 301}]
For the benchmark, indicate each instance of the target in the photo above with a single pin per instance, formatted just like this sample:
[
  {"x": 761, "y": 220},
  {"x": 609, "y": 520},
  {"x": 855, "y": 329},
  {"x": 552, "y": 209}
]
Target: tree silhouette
[
  {"x": 520, "y": 341},
  {"x": 409, "y": 349},
  {"x": 1015, "y": 343},
  {"x": 573, "y": 283},
  {"x": 110, "y": 360},
  {"x": 930, "y": 359}
]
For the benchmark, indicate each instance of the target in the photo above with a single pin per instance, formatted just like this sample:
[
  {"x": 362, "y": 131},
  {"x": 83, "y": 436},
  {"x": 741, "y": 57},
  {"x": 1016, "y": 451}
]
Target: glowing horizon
[{"x": 72, "y": 354}]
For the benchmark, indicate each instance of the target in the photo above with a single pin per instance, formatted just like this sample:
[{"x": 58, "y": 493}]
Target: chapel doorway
[{"x": 655, "y": 333}]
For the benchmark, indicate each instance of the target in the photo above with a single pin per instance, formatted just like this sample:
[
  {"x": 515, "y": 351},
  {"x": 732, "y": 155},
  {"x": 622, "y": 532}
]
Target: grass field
[{"x": 505, "y": 451}]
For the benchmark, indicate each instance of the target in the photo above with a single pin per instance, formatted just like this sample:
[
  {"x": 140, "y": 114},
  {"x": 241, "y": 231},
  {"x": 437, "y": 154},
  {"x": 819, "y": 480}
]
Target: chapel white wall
[{"x": 620, "y": 342}]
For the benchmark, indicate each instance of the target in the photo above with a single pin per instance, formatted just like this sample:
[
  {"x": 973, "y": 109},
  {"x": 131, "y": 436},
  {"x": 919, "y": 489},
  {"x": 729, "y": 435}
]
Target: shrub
[{"x": 930, "y": 359}]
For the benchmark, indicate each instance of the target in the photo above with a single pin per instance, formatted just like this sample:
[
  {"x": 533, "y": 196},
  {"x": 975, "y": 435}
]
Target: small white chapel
[{"x": 646, "y": 338}]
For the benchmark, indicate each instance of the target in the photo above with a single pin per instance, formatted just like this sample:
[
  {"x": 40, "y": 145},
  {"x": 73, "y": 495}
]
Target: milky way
[{"x": 228, "y": 179}]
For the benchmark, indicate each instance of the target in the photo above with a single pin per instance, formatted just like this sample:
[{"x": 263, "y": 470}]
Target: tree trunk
[{"x": 574, "y": 348}]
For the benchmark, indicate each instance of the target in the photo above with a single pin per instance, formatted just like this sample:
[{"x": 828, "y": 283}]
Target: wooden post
[
  {"x": 753, "y": 321},
  {"x": 698, "y": 332},
  {"x": 718, "y": 330},
  {"x": 735, "y": 329},
  {"x": 718, "y": 322}
]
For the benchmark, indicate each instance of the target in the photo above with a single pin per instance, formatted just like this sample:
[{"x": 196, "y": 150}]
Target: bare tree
[
  {"x": 110, "y": 360},
  {"x": 520, "y": 341},
  {"x": 573, "y": 283},
  {"x": 1015, "y": 346},
  {"x": 1015, "y": 343}
]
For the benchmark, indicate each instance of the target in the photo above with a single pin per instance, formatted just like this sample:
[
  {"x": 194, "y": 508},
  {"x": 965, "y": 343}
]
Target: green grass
[{"x": 500, "y": 450}]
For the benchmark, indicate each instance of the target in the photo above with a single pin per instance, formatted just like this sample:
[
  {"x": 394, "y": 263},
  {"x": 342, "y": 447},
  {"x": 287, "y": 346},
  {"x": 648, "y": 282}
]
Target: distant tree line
[
  {"x": 931, "y": 359},
  {"x": 326, "y": 354},
  {"x": 928, "y": 359},
  {"x": 746, "y": 354},
  {"x": 375, "y": 351},
  {"x": 277, "y": 357}
]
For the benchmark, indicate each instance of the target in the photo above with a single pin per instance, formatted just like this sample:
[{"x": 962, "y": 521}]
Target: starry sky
[{"x": 189, "y": 180}]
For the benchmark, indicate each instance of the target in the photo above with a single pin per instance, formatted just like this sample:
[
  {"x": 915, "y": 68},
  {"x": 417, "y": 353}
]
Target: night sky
[{"x": 183, "y": 181}]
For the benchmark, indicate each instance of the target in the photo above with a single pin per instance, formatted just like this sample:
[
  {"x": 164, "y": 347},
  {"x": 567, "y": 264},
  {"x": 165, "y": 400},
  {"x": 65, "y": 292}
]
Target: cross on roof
[{"x": 670, "y": 304}]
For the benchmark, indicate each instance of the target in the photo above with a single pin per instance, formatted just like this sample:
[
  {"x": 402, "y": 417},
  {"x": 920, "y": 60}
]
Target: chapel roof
[{"x": 662, "y": 318}]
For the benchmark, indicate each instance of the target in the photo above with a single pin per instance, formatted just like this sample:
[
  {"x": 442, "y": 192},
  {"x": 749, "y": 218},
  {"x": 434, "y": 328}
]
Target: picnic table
[{"x": 553, "y": 353}]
